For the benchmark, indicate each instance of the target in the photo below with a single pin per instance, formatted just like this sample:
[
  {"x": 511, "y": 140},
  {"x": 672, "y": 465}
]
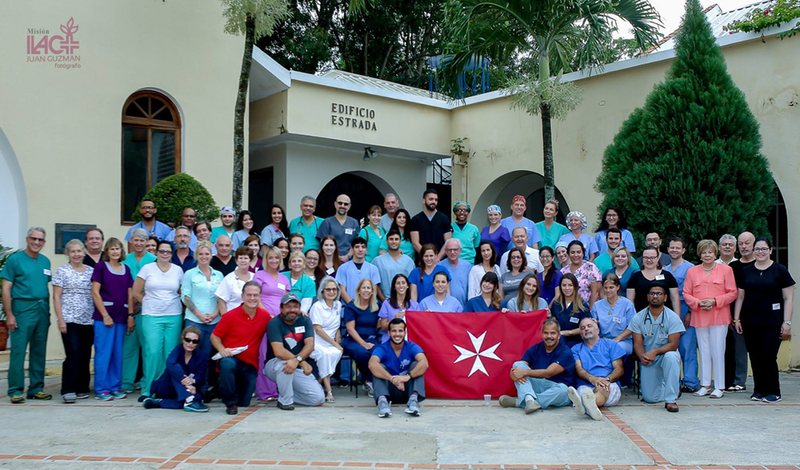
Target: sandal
[
  {"x": 329, "y": 397},
  {"x": 671, "y": 407}
]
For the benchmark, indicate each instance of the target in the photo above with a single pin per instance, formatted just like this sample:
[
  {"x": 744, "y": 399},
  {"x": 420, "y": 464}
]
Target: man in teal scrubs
[{"x": 26, "y": 294}]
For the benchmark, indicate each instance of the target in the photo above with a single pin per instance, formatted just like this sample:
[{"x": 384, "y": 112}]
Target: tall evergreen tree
[{"x": 689, "y": 162}]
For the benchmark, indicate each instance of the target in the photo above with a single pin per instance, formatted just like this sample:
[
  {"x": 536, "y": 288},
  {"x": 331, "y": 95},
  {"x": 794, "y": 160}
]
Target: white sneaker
[
  {"x": 701, "y": 392},
  {"x": 577, "y": 404},
  {"x": 717, "y": 393},
  {"x": 589, "y": 402}
]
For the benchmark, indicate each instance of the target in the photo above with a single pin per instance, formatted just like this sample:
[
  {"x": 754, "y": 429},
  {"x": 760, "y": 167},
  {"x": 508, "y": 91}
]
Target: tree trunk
[
  {"x": 239, "y": 112},
  {"x": 547, "y": 153}
]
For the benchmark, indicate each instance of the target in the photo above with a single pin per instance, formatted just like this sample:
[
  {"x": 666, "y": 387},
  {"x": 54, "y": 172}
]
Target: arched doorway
[
  {"x": 365, "y": 189},
  {"x": 779, "y": 228},
  {"x": 13, "y": 202},
  {"x": 501, "y": 190}
]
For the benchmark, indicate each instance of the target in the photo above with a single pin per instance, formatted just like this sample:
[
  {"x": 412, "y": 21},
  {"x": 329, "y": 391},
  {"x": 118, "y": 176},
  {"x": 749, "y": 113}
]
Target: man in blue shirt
[
  {"x": 598, "y": 366},
  {"x": 517, "y": 219},
  {"x": 688, "y": 344},
  {"x": 397, "y": 368},
  {"x": 341, "y": 226},
  {"x": 544, "y": 373},
  {"x": 656, "y": 333},
  {"x": 148, "y": 210},
  {"x": 352, "y": 272}
]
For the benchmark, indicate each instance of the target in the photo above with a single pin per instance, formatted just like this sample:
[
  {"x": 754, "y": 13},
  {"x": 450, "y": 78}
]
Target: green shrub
[{"x": 174, "y": 193}]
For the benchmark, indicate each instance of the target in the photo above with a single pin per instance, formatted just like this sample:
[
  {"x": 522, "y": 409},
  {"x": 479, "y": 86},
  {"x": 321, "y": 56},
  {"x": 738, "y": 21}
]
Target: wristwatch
[
  {"x": 299, "y": 358},
  {"x": 788, "y": 323}
]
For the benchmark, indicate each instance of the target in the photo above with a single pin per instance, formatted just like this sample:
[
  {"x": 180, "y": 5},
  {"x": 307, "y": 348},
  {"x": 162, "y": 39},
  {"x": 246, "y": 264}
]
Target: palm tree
[
  {"x": 255, "y": 19},
  {"x": 541, "y": 39}
]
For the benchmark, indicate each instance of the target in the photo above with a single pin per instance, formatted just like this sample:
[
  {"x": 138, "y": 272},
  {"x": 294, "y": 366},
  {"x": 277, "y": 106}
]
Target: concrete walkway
[{"x": 710, "y": 434}]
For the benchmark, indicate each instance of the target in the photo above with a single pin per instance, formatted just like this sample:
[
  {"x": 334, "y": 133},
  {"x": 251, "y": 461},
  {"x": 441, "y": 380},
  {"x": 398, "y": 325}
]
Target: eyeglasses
[
  {"x": 649, "y": 258},
  {"x": 655, "y": 294},
  {"x": 452, "y": 249},
  {"x": 190, "y": 340},
  {"x": 342, "y": 203},
  {"x": 761, "y": 248},
  {"x": 165, "y": 252},
  {"x": 36, "y": 239},
  {"x": 331, "y": 289}
]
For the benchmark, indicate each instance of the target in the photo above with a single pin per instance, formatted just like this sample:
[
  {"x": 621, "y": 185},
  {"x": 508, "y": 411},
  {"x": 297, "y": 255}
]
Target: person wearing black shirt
[{"x": 430, "y": 225}]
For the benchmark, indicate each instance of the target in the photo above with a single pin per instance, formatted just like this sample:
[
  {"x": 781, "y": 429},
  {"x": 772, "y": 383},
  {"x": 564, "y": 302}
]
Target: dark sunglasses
[{"x": 190, "y": 340}]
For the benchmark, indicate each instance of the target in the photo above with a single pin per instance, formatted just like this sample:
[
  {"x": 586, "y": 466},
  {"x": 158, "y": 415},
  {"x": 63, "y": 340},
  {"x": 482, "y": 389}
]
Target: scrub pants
[
  {"x": 360, "y": 354},
  {"x": 687, "y": 347},
  {"x": 108, "y": 356},
  {"x": 75, "y": 375},
  {"x": 33, "y": 322},
  {"x": 546, "y": 392},
  {"x": 171, "y": 391},
  {"x": 160, "y": 335},
  {"x": 384, "y": 388},
  {"x": 661, "y": 380},
  {"x": 294, "y": 388},
  {"x": 265, "y": 387},
  {"x": 131, "y": 348}
]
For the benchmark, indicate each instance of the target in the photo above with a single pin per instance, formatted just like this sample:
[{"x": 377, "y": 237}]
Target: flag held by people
[{"x": 471, "y": 354}]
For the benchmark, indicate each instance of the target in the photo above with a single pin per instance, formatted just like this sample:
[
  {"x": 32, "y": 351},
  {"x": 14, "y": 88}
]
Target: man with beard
[
  {"x": 342, "y": 227},
  {"x": 223, "y": 261},
  {"x": 430, "y": 225},
  {"x": 398, "y": 367},
  {"x": 188, "y": 219},
  {"x": 148, "y": 211},
  {"x": 657, "y": 332},
  {"x": 544, "y": 373},
  {"x": 291, "y": 342},
  {"x": 228, "y": 218},
  {"x": 598, "y": 366},
  {"x": 94, "y": 246},
  {"x": 183, "y": 256}
]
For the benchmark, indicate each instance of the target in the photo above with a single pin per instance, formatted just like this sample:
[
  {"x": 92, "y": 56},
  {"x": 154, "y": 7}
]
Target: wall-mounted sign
[
  {"x": 354, "y": 117},
  {"x": 42, "y": 46}
]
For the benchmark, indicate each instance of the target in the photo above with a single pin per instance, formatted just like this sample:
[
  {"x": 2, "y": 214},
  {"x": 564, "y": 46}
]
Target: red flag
[{"x": 471, "y": 354}]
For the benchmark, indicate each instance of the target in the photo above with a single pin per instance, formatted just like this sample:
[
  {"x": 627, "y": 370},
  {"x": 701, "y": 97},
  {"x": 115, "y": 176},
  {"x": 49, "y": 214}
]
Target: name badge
[
  {"x": 329, "y": 271},
  {"x": 776, "y": 306},
  {"x": 300, "y": 329},
  {"x": 616, "y": 320},
  {"x": 348, "y": 231},
  {"x": 663, "y": 336},
  {"x": 573, "y": 320},
  {"x": 46, "y": 272},
  {"x": 660, "y": 277},
  {"x": 281, "y": 286}
]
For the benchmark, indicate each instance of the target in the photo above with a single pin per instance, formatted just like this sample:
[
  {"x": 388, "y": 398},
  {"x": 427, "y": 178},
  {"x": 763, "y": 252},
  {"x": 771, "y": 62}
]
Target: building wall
[{"x": 64, "y": 125}]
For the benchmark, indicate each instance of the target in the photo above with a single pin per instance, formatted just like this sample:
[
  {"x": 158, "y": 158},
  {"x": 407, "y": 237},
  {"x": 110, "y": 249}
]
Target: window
[{"x": 151, "y": 146}]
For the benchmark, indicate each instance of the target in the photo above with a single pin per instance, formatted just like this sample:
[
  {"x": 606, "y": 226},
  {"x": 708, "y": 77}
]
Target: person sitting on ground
[
  {"x": 598, "y": 366},
  {"x": 544, "y": 373},
  {"x": 398, "y": 367},
  {"x": 181, "y": 384},
  {"x": 656, "y": 333},
  {"x": 291, "y": 342}
]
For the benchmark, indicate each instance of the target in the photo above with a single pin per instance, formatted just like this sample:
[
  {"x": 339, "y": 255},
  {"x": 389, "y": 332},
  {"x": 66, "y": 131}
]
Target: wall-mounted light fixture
[{"x": 369, "y": 154}]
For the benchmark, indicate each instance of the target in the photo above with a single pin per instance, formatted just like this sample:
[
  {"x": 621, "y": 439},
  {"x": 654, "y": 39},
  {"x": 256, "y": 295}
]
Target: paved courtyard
[{"x": 710, "y": 434}]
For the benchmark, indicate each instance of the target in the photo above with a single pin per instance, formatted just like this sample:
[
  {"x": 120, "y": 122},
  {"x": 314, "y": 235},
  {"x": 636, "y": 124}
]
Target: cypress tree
[{"x": 689, "y": 162}]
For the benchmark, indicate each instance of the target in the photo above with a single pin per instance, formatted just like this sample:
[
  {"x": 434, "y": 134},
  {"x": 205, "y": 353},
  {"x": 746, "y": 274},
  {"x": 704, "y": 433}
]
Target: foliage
[
  {"x": 783, "y": 11},
  {"x": 266, "y": 14},
  {"x": 689, "y": 163},
  {"x": 543, "y": 39},
  {"x": 386, "y": 39},
  {"x": 176, "y": 192}
]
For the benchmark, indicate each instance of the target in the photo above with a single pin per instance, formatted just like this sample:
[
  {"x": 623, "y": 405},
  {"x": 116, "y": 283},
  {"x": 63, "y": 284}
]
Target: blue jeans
[
  {"x": 688, "y": 350},
  {"x": 546, "y": 392},
  {"x": 237, "y": 380}
]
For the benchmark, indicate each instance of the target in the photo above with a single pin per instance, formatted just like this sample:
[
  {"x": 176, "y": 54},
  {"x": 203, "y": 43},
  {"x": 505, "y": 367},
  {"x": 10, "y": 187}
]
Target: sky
[{"x": 672, "y": 10}]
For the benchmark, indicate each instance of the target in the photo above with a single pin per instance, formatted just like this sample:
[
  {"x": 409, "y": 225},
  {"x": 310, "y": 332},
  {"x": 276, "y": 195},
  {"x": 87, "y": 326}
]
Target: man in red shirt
[{"x": 243, "y": 326}]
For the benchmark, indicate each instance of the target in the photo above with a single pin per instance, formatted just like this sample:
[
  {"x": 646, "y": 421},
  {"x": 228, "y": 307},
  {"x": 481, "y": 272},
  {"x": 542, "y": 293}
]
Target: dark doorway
[
  {"x": 779, "y": 228},
  {"x": 363, "y": 194},
  {"x": 445, "y": 192},
  {"x": 260, "y": 195},
  {"x": 535, "y": 202}
]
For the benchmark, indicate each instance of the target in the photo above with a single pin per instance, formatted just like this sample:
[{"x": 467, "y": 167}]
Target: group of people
[{"x": 278, "y": 309}]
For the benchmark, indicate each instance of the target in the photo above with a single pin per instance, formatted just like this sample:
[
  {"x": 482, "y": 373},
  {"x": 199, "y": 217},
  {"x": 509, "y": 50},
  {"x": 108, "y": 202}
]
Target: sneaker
[
  {"x": 288, "y": 407},
  {"x": 771, "y": 398},
  {"x": 687, "y": 389},
  {"x": 68, "y": 397},
  {"x": 717, "y": 393},
  {"x": 151, "y": 403},
  {"x": 577, "y": 404},
  {"x": 589, "y": 402},
  {"x": 232, "y": 409},
  {"x": 756, "y": 397},
  {"x": 17, "y": 399},
  {"x": 368, "y": 388},
  {"x": 40, "y": 396},
  {"x": 702, "y": 391},
  {"x": 120, "y": 395},
  {"x": 383, "y": 408},
  {"x": 412, "y": 408},
  {"x": 105, "y": 396},
  {"x": 507, "y": 401},
  {"x": 736, "y": 388},
  {"x": 82, "y": 395},
  {"x": 195, "y": 407},
  {"x": 531, "y": 405},
  {"x": 142, "y": 398}
]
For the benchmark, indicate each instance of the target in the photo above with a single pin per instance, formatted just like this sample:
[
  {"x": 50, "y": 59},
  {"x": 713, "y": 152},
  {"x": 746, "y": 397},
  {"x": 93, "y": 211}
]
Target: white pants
[{"x": 711, "y": 342}]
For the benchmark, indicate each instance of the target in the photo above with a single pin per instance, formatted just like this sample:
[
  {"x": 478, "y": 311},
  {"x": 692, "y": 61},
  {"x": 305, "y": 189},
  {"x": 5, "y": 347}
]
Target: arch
[
  {"x": 13, "y": 198},
  {"x": 364, "y": 189},
  {"x": 531, "y": 184}
]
